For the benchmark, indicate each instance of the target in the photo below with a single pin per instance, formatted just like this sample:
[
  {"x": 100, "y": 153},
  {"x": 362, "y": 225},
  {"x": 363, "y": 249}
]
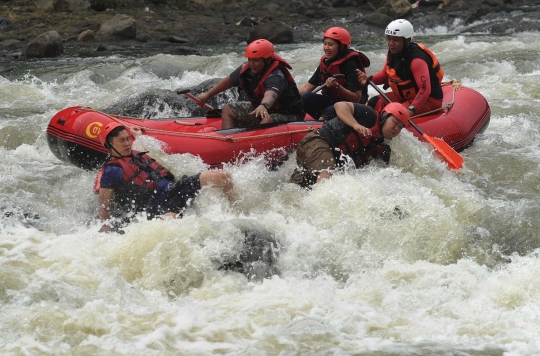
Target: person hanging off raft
[
  {"x": 131, "y": 181},
  {"x": 357, "y": 131}
]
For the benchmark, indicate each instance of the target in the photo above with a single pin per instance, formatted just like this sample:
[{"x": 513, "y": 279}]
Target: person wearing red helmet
[
  {"x": 411, "y": 70},
  {"x": 338, "y": 58},
  {"x": 131, "y": 182},
  {"x": 357, "y": 131},
  {"x": 267, "y": 82}
]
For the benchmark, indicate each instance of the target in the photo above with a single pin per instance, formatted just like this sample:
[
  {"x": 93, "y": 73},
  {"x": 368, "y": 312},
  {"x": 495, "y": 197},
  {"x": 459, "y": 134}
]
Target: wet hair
[{"x": 114, "y": 132}]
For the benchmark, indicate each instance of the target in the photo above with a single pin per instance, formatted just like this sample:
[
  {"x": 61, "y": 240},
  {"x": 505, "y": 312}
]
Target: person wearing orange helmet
[
  {"x": 267, "y": 82},
  {"x": 131, "y": 182},
  {"x": 357, "y": 131},
  {"x": 411, "y": 70},
  {"x": 338, "y": 58}
]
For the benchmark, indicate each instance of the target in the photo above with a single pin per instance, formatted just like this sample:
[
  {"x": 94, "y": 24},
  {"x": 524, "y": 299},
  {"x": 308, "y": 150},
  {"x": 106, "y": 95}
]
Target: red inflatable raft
[{"x": 72, "y": 133}]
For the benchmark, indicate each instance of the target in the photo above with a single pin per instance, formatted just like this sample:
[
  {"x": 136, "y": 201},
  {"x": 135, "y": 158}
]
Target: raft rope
[
  {"x": 456, "y": 85},
  {"x": 195, "y": 134}
]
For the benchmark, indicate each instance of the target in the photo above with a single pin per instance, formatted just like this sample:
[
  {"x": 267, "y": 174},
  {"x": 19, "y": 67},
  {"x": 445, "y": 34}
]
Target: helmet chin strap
[
  {"x": 111, "y": 148},
  {"x": 384, "y": 117}
]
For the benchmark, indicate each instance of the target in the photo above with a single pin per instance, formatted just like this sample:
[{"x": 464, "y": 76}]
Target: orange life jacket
[{"x": 401, "y": 79}]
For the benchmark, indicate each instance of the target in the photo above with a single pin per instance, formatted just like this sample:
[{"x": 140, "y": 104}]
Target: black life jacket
[
  {"x": 400, "y": 77},
  {"x": 138, "y": 186},
  {"x": 327, "y": 71}
]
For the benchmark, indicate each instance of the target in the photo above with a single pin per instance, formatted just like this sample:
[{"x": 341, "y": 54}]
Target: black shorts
[{"x": 178, "y": 197}]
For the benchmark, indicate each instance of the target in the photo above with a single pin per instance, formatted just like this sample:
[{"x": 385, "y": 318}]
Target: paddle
[
  {"x": 447, "y": 153},
  {"x": 322, "y": 86},
  {"x": 196, "y": 100}
]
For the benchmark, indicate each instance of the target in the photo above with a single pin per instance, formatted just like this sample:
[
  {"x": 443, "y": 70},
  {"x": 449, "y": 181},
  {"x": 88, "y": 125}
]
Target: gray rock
[
  {"x": 274, "y": 31},
  {"x": 70, "y": 5},
  {"x": 9, "y": 42},
  {"x": 86, "y": 36},
  {"x": 102, "y": 5},
  {"x": 48, "y": 44},
  {"x": 122, "y": 26},
  {"x": 4, "y": 22}
]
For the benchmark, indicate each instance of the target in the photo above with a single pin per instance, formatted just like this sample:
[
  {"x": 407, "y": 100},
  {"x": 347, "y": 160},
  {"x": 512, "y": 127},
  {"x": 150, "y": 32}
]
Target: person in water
[
  {"x": 357, "y": 131},
  {"x": 411, "y": 70},
  {"x": 338, "y": 58},
  {"x": 132, "y": 181},
  {"x": 270, "y": 87}
]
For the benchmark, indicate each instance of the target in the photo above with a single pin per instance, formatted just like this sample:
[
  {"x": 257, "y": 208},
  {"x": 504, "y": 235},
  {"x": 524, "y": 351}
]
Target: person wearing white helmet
[{"x": 411, "y": 70}]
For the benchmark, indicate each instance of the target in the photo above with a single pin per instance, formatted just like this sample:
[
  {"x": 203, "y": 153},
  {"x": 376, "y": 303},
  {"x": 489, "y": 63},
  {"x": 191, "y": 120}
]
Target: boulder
[
  {"x": 70, "y": 5},
  {"x": 122, "y": 26},
  {"x": 102, "y": 5},
  {"x": 86, "y": 36},
  {"x": 46, "y": 45},
  {"x": 9, "y": 42},
  {"x": 274, "y": 31},
  {"x": 4, "y": 22},
  {"x": 395, "y": 8}
]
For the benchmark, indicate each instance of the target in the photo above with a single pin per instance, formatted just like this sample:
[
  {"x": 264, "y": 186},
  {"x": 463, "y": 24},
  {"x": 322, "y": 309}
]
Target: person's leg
[
  {"x": 314, "y": 104},
  {"x": 219, "y": 179},
  {"x": 228, "y": 118},
  {"x": 238, "y": 115},
  {"x": 314, "y": 159}
]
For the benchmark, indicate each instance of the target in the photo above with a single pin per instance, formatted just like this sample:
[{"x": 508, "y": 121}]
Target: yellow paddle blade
[{"x": 447, "y": 153}]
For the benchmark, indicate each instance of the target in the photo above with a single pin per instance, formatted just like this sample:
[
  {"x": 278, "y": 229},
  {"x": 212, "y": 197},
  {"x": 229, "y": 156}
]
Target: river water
[{"x": 409, "y": 259}]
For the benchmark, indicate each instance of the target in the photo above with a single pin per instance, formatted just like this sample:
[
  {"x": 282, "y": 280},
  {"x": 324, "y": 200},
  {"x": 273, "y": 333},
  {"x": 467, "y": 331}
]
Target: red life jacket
[
  {"x": 135, "y": 170},
  {"x": 401, "y": 79},
  {"x": 362, "y": 149},
  {"x": 260, "y": 90},
  {"x": 326, "y": 72}
]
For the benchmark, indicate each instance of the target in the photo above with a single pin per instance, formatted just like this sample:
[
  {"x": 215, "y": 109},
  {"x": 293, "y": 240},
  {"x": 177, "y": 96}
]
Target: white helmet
[{"x": 399, "y": 28}]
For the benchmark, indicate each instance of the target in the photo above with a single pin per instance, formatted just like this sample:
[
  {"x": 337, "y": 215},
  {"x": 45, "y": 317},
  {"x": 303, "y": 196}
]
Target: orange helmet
[
  {"x": 339, "y": 34},
  {"x": 399, "y": 111},
  {"x": 106, "y": 131},
  {"x": 259, "y": 49}
]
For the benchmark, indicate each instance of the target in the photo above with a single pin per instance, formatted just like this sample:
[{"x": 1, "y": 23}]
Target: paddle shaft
[
  {"x": 206, "y": 106},
  {"x": 322, "y": 86}
]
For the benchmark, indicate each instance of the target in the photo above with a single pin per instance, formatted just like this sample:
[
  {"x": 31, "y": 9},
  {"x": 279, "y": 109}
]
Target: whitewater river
[{"x": 409, "y": 259}]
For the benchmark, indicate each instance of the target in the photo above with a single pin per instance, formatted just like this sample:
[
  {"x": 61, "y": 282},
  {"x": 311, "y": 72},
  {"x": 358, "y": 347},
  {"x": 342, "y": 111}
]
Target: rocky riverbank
[{"x": 51, "y": 28}]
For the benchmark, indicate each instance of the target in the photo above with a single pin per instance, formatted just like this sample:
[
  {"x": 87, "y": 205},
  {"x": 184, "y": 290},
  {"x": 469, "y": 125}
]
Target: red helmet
[
  {"x": 107, "y": 130},
  {"x": 260, "y": 49},
  {"x": 339, "y": 34},
  {"x": 399, "y": 111}
]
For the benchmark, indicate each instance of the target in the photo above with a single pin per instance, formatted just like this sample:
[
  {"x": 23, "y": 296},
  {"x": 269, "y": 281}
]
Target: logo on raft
[{"x": 93, "y": 129}]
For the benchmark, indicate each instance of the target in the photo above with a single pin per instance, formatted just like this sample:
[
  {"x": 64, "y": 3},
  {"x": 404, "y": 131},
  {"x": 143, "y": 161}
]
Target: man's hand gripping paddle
[{"x": 195, "y": 99}]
